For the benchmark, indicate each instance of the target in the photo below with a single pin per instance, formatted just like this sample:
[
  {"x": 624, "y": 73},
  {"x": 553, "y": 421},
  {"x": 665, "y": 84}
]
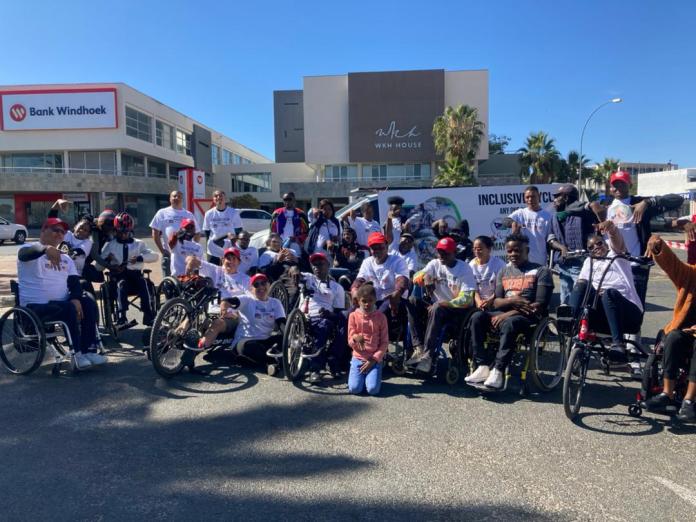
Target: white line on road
[{"x": 685, "y": 493}]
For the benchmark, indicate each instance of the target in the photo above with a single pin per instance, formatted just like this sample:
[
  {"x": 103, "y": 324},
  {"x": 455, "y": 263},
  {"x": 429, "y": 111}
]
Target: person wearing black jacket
[{"x": 325, "y": 232}]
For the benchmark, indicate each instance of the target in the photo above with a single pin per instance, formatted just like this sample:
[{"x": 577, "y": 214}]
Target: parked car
[
  {"x": 12, "y": 231},
  {"x": 254, "y": 220}
]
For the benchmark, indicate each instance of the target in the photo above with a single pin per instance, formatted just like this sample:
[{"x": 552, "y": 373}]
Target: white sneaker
[
  {"x": 416, "y": 357},
  {"x": 480, "y": 374},
  {"x": 82, "y": 361},
  {"x": 95, "y": 358},
  {"x": 495, "y": 379}
]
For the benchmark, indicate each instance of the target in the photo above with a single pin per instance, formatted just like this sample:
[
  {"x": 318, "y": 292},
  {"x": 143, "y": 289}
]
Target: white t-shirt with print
[
  {"x": 329, "y": 296},
  {"x": 83, "y": 244},
  {"x": 168, "y": 221},
  {"x": 249, "y": 259},
  {"x": 180, "y": 252},
  {"x": 213, "y": 249},
  {"x": 621, "y": 214},
  {"x": 410, "y": 258},
  {"x": 383, "y": 276},
  {"x": 619, "y": 277},
  {"x": 327, "y": 231},
  {"x": 363, "y": 228},
  {"x": 289, "y": 229},
  {"x": 257, "y": 318},
  {"x": 40, "y": 283},
  {"x": 396, "y": 233},
  {"x": 221, "y": 222},
  {"x": 450, "y": 281},
  {"x": 536, "y": 225},
  {"x": 230, "y": 285},
  {"x": 486, "y": 275}
]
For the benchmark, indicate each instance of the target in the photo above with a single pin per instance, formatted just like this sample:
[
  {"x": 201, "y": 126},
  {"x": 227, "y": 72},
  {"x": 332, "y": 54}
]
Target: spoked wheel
[
  {"x": 280, "y": 292},
  {"x": 293, "y": 340},
  {"x": 549, "y": 352},
  {"x": 23, "y": 340},
  {"x": 574, "y": 380},
  {"x": 167, "y": 338},
  {"x": 169, "y": 288},
  {"x": 109, "y": 312},
  {"x": 452, "y": 374}
]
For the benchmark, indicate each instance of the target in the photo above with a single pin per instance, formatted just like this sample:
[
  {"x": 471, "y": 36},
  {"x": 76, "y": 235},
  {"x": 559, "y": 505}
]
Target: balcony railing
[{"x": 73, "y": 170}]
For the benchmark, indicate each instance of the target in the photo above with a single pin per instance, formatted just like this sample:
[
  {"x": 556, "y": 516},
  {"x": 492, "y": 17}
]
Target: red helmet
[{"x": 123, "y": 222}]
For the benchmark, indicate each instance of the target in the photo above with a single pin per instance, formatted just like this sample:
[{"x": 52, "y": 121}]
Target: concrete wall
[
  {"x": 666, "y": 182},
  {"x": 280, "y": 173},
  {"x": 470, "y": 88},
  {"x": 288, "y": 123},
  {"x": 18, "y": 183},
  {"x": 326, "y": 119}
]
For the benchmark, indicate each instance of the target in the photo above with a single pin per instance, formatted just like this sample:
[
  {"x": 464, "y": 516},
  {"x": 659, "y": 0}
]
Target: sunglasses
[
  {"x": 596, "y": 244},
  {"x": 288, "y": 199},
  {"x": 259, "y": 284}
]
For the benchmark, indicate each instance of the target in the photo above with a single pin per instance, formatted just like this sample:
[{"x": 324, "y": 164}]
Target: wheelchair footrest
[
  {"x": 311, "y": 355},
  {"x": 273, "y": 354}
]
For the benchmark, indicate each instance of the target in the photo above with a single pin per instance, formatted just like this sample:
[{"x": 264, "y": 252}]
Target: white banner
[
  {"x": 485, "y": 208},
  {"x": 58, "y": 109}
]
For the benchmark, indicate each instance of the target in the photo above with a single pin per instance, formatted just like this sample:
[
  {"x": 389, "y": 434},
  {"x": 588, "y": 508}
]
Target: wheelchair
[
  {"x": 26, "y": 338},
  {"x": 110, "y": 308}
]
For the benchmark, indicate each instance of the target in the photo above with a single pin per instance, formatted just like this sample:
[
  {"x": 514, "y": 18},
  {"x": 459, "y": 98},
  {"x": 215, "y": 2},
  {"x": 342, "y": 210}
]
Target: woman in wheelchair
[
  {"x": 125, "y": 256},
  {"x": 522, "y": 295},
  {"x": 324, "y": 302},
  {"x": 276, "y": 259},
  {"x": 451, "y": 285},
  {"x": 680, "y": 333},
  {"x": 619, "y": 309},
  {"x": 350, "y": 254}
]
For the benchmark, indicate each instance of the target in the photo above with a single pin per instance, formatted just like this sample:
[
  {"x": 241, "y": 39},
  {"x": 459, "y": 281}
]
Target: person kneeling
[{"x": 522, "y": 294}]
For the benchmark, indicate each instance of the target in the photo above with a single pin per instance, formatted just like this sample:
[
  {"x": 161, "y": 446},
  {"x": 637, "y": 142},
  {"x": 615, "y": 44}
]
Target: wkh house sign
[{"x": 391, "y": 137}]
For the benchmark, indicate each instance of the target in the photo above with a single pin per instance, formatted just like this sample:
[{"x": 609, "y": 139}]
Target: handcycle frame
[{"x": 110, "y": 305}]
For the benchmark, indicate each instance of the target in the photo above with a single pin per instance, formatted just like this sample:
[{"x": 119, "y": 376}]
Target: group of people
[{"x": 392, "y": 297}]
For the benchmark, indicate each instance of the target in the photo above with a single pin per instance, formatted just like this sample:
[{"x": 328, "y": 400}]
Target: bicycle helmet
[
  {"x": 107, "y": 215},
  {"x": 123, "y": 222}
]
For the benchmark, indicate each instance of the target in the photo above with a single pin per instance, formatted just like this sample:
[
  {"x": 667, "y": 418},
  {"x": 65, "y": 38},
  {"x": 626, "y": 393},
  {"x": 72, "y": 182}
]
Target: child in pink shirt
[{"x": 368, "y": 336}]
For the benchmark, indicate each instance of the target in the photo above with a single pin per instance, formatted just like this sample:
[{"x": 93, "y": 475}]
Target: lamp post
[{"x": 582, "y": 137}]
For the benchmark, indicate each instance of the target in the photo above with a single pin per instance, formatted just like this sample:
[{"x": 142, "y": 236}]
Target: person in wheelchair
[
  {"x": 522, "y": 294},
  {"x": 124, "y": 257},
  {"x": 249, "y": 254},
  {"x": 680, "y": 339},
  {"x": 276, "y": 259},
  {"x": 450, "y": 286},
  {"x": 619, "y": 309},
  {"x": 231, "y": 283},
  {"x": 407, "y": 252},
  {"x": 80, "y": 243},
  {"x": 50, "y": 286},
  {"x": 325, "y": 302},
  {"x": 350, "y": 254},
  {"x": 183, "y": 244},
  {"x": 390, "y": 277}
]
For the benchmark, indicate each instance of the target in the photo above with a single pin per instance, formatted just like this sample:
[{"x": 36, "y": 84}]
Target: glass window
[
  {"x": 132, "y": 165},
  {"x": 156, "y": 169},
  {"x": 396, "y": 171},
  {"x": 183, "y": 142},
  {"x": 164, "y": 134},
  {"x": 92, "y": 162},
  {"x": 40, "y": 161},
  {"x": 215, "y": 153},
  {"x": 138, "y": 125},
  {"x": 251, "y": 182},
  {"x": 340, "y": 172},
  {"x": 7, "y": 208},
  {"x": 236, "y": 159}
]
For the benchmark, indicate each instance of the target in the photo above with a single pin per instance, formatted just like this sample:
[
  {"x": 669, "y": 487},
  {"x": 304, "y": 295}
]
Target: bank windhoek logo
[{"x": 18, "y": 112}]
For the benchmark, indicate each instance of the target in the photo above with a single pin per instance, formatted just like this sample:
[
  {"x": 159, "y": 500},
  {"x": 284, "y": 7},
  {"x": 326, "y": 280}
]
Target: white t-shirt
[
  {"x": 449, "y": 282},
  {"x": 536, "y": 225},
  {"x": 328, "y": 296},
  {"x": 83, "y": 244},
  {"x": 619, "y": 277},
  {"x": 289, "y": 229},
  {"x": 396, "y": 233},
  {"x": 40, "y": 283},
  {"x": 168, "y": 221},
  {"x": 213, "y": 249},
  {"x": 221, "y": 222},
  {"x": 249, "y": 259},
  {"x": 268, "y": 257},
  {"x": 621, "y": 213},
  {"x": 383, "y": 276},
  {"x": 180, "y": 252},
  {"x": 257, "y": 318},
  {"x": 230, "y": 285},
  {"x": 363, "y": 228},
  {"x": 410, "y": 258},
  {"x": 327, "y": 231},
  {"x": 486, "y": 275}
]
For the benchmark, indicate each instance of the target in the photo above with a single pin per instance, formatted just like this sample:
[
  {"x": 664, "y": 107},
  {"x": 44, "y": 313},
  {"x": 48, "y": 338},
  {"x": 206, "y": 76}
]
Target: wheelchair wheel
[
  {"x": 167, "y": 337},
  {"x": 169, "y": 288},
  {"x": 452, "y": 373},
  {"x": 280, "y": 292},
  {"x": 652, "y": 378},
  {"x": 293, "y": 341},
  {"x": 109, "y": 312},
  {"x": 548, "y": 352},
  {"x": 152, "y": 294},
  {"x": 574, "y": 381},
  {"x": 23, "y": 340}
]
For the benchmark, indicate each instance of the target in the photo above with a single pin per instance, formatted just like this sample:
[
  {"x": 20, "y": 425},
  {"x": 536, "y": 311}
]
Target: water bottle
[{"x": 287, "y": 243}]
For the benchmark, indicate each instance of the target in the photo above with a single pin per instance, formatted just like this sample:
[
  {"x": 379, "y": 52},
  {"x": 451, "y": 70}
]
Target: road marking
[{"x": 681, "y": 491}]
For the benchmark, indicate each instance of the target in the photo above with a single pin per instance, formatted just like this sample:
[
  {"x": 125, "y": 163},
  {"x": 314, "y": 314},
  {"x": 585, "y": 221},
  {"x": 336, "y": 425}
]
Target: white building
[{"x": 681, "y": 181}]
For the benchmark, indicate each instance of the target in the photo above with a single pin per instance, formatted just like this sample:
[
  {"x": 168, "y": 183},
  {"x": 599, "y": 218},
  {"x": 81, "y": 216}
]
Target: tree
[
  {"x": 497, "y": 144},
  {"x": 538, "y": 158},
  {"x": 457, "y": 135},
  {"x": 603, "y": 172},
  {"x": 574, "y": 164},
  {"x": 245, "y": 201}
]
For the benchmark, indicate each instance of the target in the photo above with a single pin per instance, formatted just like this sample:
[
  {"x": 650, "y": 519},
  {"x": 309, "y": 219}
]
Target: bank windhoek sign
[{"x": 58, "y": 109}]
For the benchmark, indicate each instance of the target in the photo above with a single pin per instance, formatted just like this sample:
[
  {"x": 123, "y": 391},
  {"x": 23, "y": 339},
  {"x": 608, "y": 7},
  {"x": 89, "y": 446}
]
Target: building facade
[
  {"x": 678, "y": 181},
  {"x": 100, "y": 146}
]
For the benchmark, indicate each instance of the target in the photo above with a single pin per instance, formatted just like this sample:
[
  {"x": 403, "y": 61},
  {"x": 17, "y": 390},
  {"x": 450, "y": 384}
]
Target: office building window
[
  {"x": 246, "y": 161},
  {"x": 138, "y": 125},
  {"x": 132, "y": 165},
  {"x": 396, "y": 171},
  {"x": 155, "y": 169},
  {"x": 28, "y": 162},
  {"x": 164, "y": 134},
  {"x": 236, "y": 159},
  {"x": 251, "y": 182},
  {"x": 340, "y": 172},
  {"x": 215, "y": 153},
  {"x": 226, "y": 157},
  {"x": 92, "y": 162},
  {"x": 183, "y": 142}
]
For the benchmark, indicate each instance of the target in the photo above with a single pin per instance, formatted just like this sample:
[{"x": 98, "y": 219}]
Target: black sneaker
[
  {"x": 686, "y": 412},
  {"x": 617, "y": 354},
  {"x": 661, "y": 403}
]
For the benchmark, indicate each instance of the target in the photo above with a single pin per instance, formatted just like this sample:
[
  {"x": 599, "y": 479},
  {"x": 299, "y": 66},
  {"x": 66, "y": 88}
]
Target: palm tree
[
  {"x": 575, "y": 164},
  {"x": 457, "y": 135},
  {"x": 603, "y": 172},
  {"x": 538, "y": 157}
]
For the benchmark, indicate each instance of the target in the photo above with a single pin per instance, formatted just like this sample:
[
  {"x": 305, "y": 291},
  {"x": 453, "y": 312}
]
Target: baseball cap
[
  {"x": 447, "y": 244},
  {"x": 258, "y": 277},
  {"x": 187, "y": 222},
  {"x": 233, "y": 251},
  {"x": 620, "y": 175},
  {"x": 317, "y": 256},
  {"x": 376, "y": 238},
  {"x": 406, "y": 235},
  {"x": 566, "y": 188},
  {"x": 51, "y": 222}
]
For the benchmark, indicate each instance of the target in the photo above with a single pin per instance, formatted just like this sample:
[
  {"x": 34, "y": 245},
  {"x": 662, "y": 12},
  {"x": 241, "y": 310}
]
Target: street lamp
[{"x": 582, "y": 137}]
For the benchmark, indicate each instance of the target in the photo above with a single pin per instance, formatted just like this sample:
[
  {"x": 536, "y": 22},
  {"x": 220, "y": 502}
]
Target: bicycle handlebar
[{"x": 640, "y": 260}]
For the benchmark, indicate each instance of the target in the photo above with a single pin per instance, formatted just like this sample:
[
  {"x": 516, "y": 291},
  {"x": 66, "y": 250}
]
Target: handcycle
[
  {"x": 587, "y": 344},
  {"x": 110, "y": 308},
  {"x": 26, "y": 338}
]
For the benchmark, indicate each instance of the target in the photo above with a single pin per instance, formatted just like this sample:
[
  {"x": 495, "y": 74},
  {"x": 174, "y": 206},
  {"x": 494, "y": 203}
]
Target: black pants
[
  {"x": 679, "y": 349},
  {"x": 509, "y": 329},
  {"x": 83, "y": 333},
  {"x": 397, "y": 323},
  {"x": 417, "y": 319},
  {"x": 614, "y": 313},
  {"x": 255, "y": 349},
  {"x": 337, "y": 355},
  {"x": 132, "y": 282},
  {"x": 438, "y": 319}
]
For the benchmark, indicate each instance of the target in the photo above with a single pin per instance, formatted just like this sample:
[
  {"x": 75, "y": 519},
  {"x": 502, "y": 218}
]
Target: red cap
[
  {"x": 621, "y": 175},
  {"x": 51, "y": 222},
  {"x": 376, "y": 238},
  {"x": 186, "y": 222},
  {"x": 447, "y": 244},
  {"x": 318, "y": 256},
  {"x": 258, "y": 277},
  {"x": 233, "y": 251}
]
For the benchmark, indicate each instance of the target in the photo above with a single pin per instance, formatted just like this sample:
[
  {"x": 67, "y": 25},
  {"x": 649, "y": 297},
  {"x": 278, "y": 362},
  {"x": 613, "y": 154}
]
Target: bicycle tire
[
  {"x": 109, "y": 312},
  {"x": 280, "y": 292},
  {"x": 21, "y": 332},
  {"x": 548, "y": 363},
  {"x": 167, "y": 336},
  {"x": 293, "y": 341},
  {"x": 574, "y": 381}
]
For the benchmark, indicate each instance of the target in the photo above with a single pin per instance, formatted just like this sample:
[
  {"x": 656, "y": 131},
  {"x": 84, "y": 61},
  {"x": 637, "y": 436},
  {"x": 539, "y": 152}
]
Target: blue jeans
[
  {"x": 321, "y": 328},
  {"x": 568, "y": 274},
  {"x": 371, "y": 380}
]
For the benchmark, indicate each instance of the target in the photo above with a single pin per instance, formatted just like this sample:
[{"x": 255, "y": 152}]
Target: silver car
[
  {"x": 254, "y": 220},
  {"x": 13, "y": 232}
]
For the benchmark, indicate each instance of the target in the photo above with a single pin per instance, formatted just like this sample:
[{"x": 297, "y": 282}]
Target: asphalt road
[{"x": 120, "y": 443}]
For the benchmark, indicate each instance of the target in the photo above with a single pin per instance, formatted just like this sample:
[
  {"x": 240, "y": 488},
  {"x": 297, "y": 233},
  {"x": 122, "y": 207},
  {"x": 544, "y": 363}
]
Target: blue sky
[{"x": 550, "y": 62}]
